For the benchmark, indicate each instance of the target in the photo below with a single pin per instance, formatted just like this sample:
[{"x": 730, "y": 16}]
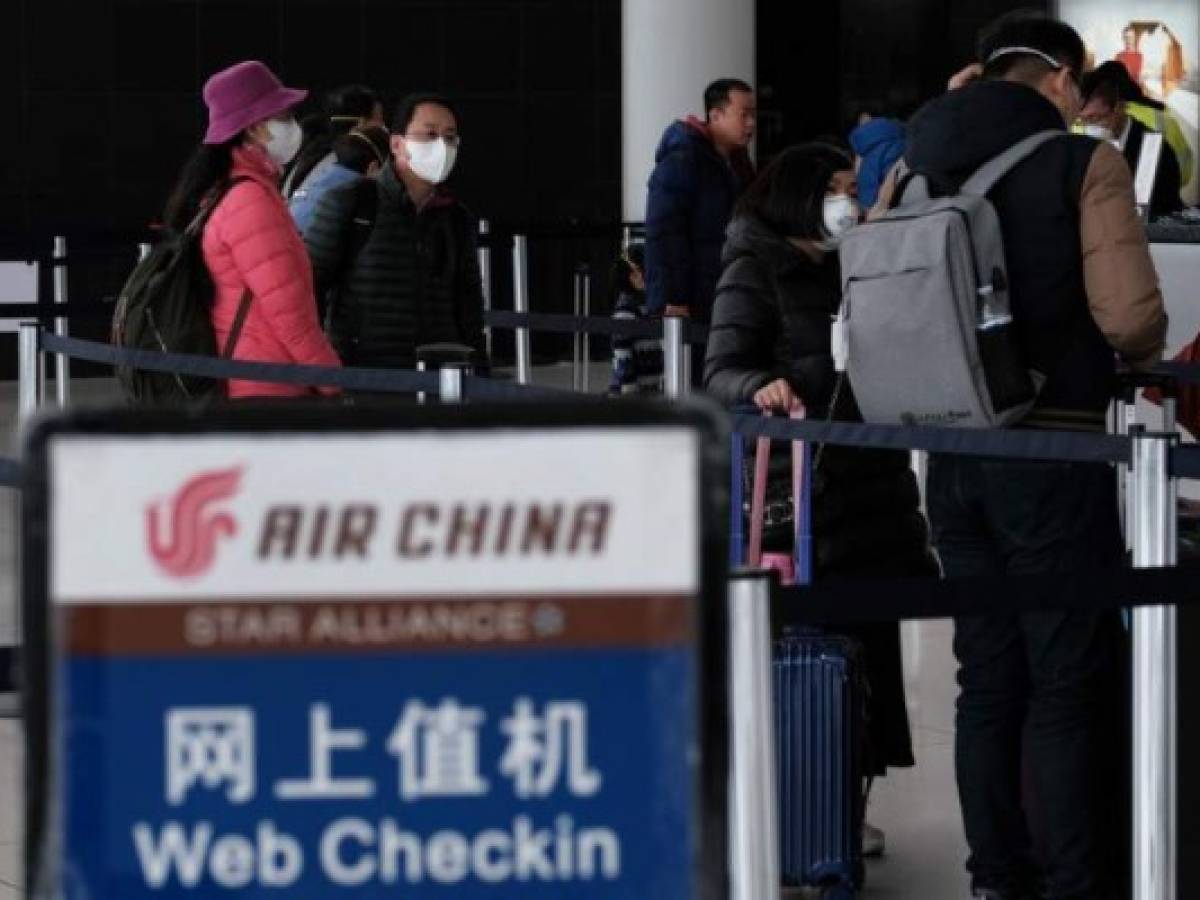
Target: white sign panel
[{"x": 368, "y": 515}]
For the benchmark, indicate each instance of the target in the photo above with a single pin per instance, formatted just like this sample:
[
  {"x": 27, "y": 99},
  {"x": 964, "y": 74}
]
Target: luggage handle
[{"x": 801, "y": 497}]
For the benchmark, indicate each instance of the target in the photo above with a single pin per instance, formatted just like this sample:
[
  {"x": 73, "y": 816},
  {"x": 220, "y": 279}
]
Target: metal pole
[
  {"x": 30, "y": 372},
  {"x": 753, "y": 825},
  {"x": 521, "y": 305},
  {"x": 62, "y": 364},
  {"x": 421, "y": 368},
  {"x": 485, "y": 279},
  {"x": 587, "y": 338},
  {"x": 1154, "y": 676},
  {"x": 577, "y": 337},
  {"x": 675, "y": 380},
  {"x": 450, "y": 384}
]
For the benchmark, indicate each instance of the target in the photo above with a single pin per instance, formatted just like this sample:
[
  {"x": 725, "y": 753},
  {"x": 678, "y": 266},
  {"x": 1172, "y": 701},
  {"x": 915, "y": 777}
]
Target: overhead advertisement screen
[{"x": 1158, "y": 42}]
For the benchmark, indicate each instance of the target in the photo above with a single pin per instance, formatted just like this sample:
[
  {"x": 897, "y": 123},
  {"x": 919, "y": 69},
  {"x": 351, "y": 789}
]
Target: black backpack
[{"x": 164, "y": 306}]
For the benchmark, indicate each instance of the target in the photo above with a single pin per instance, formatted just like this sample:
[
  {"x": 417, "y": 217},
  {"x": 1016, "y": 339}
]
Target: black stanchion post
[
  {"x": 586, "y": 279},
  {"x": 753, "y": 817},
  {"x": 577, "y": 337}
]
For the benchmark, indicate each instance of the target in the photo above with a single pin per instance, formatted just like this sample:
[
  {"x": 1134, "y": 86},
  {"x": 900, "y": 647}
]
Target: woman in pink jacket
[{"x": 250, "y": 243}]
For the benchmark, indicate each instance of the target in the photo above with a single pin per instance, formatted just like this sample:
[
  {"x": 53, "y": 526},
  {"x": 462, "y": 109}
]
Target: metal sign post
[
  {"x": 753, "y": 816},
  {"x": 676, "y": 359},
  {"x": 450, "y": 383},
  {"x": 1152, "y": 510},
  {"x": 485, "y": 278},
  {"x": 577, "y": 337},
  {"x": 320, "y": 655},
  {"x": 521, "y": 305},
  {"x": 62, "y": 363}
]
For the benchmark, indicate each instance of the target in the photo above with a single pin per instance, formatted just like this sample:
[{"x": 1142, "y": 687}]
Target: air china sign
[
  {"x": 365, "y": 664},
  {"x": 514, "y": 512}
]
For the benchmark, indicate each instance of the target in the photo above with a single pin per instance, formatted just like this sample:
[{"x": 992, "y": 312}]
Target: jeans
[{"x": 1038, "y": 690}]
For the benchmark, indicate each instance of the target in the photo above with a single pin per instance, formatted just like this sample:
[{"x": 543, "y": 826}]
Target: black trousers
[{"x": 1040, "y": 693}]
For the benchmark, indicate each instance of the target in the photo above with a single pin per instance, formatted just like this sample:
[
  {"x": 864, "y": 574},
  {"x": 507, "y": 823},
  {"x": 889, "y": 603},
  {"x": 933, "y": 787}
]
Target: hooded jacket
[
  {"x": 415, "y": 280},
  {"x": 879, "y": 143},
  {"x": 1082, "y": 281},
  {"x": 251, "y": 243},
  {"x": 692, "y": 193}
]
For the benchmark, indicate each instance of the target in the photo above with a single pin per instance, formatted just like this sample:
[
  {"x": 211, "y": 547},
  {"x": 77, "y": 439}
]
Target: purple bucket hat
[{"x": 242, "y": 95}]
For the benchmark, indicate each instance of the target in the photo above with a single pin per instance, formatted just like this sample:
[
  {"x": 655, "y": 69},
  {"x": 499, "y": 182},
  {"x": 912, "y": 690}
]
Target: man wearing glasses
[
  {"x": 1083, "y": 289},
  {"x": 395, "y": 257}
]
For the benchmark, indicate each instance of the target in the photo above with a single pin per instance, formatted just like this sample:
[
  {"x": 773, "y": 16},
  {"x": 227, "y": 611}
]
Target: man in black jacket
[
  {"x": 398, "y": 263},
  {"x": 1083, "y": 290},
  {"x": 1106, "y": 92}
]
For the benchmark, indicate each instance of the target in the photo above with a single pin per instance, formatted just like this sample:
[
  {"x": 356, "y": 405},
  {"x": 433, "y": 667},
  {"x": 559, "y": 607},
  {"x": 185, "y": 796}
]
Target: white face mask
[
  {"x": 841, "y": 214},
  {"x": 284, "y": 141},
  {"x": 431, "y": 161},
  {"x": 1099, "y": 132}
]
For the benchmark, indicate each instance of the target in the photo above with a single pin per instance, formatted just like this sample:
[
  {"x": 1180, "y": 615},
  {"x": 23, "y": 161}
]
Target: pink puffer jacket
[{"x": 251, "y": 242}]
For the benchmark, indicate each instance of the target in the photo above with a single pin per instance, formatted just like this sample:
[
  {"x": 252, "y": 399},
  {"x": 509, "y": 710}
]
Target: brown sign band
[{"x": 287, "y": 627}]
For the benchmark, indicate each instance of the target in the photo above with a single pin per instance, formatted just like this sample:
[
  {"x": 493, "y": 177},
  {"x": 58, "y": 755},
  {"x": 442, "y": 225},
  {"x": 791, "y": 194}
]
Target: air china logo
[{"x": 183, "y": 531}]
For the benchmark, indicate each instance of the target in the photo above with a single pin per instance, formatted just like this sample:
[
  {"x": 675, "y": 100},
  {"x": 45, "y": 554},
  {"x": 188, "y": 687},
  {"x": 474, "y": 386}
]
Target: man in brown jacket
[{"x": 1084, "y": 292}]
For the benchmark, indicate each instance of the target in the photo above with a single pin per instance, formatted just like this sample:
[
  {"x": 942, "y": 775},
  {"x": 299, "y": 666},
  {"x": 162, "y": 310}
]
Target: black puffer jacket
[
  {"x": 772, "y": 320},
  {"x": 415, "y": 280}
]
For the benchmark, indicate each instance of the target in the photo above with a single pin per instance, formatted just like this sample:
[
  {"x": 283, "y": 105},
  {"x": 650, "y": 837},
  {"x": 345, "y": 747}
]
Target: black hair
[
  {"x": 716, "y": 95},
  {"x": 632, "y": 256},
  {"x": 361, "y": 146},
  {"x": 1034, "y": 29},
  {"x": 1100, "y": 85},
  {"x": 347, "y": 106},
  {"x": 788, "y": 196},
  {"x": 406, "y": 109},
  {"x": 207, "y": 168}
]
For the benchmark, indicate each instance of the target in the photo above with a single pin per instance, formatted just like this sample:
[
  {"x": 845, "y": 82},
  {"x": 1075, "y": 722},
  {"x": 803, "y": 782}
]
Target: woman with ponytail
[{"x": 253, "y": 252}]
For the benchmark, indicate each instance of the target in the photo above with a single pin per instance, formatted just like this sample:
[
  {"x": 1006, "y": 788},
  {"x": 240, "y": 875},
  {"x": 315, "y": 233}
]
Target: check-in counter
[{"x": 1178, "y": 267}]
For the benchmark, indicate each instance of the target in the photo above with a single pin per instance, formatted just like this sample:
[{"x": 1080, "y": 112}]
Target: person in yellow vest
[
  {"x": 1157, "y": 117},
  {"x": 1106, "y": 116}
]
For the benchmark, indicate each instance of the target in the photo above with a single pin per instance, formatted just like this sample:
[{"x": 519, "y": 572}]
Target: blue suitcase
[{"x": 820, "y": 711}]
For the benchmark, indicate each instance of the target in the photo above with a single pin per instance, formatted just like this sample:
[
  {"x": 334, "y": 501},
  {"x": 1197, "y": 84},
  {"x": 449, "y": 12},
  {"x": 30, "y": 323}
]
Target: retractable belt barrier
[
  {"x": 1015, "y": 444},
  {"x": 401, "y": 381},
  {"x": 559, "y": 323}
]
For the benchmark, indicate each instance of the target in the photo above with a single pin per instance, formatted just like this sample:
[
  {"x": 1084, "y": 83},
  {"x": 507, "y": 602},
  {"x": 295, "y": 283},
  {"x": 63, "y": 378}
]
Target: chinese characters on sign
[{"x": 438, "y": 751}]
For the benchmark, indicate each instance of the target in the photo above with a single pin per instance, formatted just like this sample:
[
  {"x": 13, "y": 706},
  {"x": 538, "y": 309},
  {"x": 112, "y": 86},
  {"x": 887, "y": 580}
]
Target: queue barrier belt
[
  {"x": 857, "y": 601},
  {"x": 557, "y": 323},
  {"x": 1010, "y": 443}
]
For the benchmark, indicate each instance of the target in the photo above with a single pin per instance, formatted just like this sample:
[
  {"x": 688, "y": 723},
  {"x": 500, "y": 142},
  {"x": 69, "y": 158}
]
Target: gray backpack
[{"x": 925, "y": 329}]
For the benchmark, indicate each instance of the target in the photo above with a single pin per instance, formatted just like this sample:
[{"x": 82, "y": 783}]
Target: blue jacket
[
  {"x": 880, "y": 143},
  {"x": 305, "y": 201},
  {"x": 693, "y": 190}
]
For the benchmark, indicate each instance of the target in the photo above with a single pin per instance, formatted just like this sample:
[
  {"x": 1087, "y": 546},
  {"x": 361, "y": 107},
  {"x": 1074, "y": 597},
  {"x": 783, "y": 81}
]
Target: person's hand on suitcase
[{"x": 777, "y": 396}]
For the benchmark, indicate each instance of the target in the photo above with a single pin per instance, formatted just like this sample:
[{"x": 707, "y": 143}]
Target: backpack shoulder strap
[
  {"x": 239, "y": 322},
  {"x": 989, "y": 174},
  {"x": 366, "y": 208},
  {"x": 209, "y": 205}
]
